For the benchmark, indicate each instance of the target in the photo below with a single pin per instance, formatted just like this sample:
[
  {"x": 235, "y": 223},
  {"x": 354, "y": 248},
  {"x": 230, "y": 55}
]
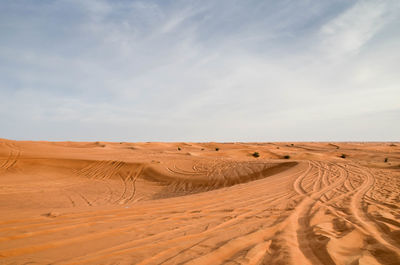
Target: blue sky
[{"x": 292, "y": 70}]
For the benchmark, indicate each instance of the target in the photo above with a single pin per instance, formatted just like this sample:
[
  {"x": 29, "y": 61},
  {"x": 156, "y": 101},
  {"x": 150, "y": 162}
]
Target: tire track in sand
[
  {"x": 298, "y": 234},
  {"x": 361, "y": 215}
]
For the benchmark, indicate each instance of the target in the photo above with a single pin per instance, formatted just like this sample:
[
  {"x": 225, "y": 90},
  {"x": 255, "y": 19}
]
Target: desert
[
  {"x": 199, "y": 203},
  {"x": 200, "y": 132}
]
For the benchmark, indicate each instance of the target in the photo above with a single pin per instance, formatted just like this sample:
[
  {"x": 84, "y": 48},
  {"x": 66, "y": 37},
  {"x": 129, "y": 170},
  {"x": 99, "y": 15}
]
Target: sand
[{"x": 150, "y": 203}]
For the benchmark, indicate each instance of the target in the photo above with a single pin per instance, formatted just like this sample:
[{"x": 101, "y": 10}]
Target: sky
[{"x": 200, "y": 70}]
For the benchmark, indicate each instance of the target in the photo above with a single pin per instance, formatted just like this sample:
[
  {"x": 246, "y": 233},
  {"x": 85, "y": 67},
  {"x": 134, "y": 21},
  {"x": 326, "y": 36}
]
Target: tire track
[
  {"x": 362, "y": 217},
  {"x": 298, "y": 227},
  {"x": 12, "y": 159}
]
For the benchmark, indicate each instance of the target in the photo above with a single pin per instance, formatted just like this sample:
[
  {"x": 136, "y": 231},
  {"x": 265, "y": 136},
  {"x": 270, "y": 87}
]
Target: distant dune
[{"x": 199, "y": 203}]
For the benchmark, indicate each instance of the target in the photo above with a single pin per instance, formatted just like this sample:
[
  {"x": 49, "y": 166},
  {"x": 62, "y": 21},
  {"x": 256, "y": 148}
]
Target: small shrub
[
  {"x": 202, "y": 149},
  {"x": 343, "y": 156},
  {"x": 99, "y": 144},
  {"x": 386, "y": 160},
  {"x": 256, "y": 154},
  {"x": 216, "y": 149},
  {"x": 179, "y": 149},
  {"x": 286, "y": 157}
]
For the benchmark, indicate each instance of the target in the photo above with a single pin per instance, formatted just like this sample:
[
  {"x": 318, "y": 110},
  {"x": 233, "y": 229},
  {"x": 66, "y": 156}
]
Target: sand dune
[{"x": 187, "y": 203}]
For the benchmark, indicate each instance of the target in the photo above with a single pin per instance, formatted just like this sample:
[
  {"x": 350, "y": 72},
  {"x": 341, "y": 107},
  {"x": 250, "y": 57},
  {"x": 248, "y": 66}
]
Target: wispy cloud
[{"x": 347, "y": 33}]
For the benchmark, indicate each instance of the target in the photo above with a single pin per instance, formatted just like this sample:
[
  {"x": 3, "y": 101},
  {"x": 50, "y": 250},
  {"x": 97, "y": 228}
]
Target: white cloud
[{"x": 347, "y": 33}]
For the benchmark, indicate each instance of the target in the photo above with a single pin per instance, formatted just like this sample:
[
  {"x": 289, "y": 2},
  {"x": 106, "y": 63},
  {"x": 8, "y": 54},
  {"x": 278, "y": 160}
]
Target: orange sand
[{"x": 150, "y": 203}]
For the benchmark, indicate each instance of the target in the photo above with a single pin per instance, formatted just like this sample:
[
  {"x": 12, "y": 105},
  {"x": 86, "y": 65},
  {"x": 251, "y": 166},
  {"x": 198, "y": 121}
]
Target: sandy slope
[{"x": 150, "y": 203}]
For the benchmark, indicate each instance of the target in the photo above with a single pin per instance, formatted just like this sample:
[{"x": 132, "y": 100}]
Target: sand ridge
[{"x": 189, "y": 203}]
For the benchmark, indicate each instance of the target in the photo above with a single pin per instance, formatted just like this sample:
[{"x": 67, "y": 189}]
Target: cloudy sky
[{"x": 226, "y": 70}]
